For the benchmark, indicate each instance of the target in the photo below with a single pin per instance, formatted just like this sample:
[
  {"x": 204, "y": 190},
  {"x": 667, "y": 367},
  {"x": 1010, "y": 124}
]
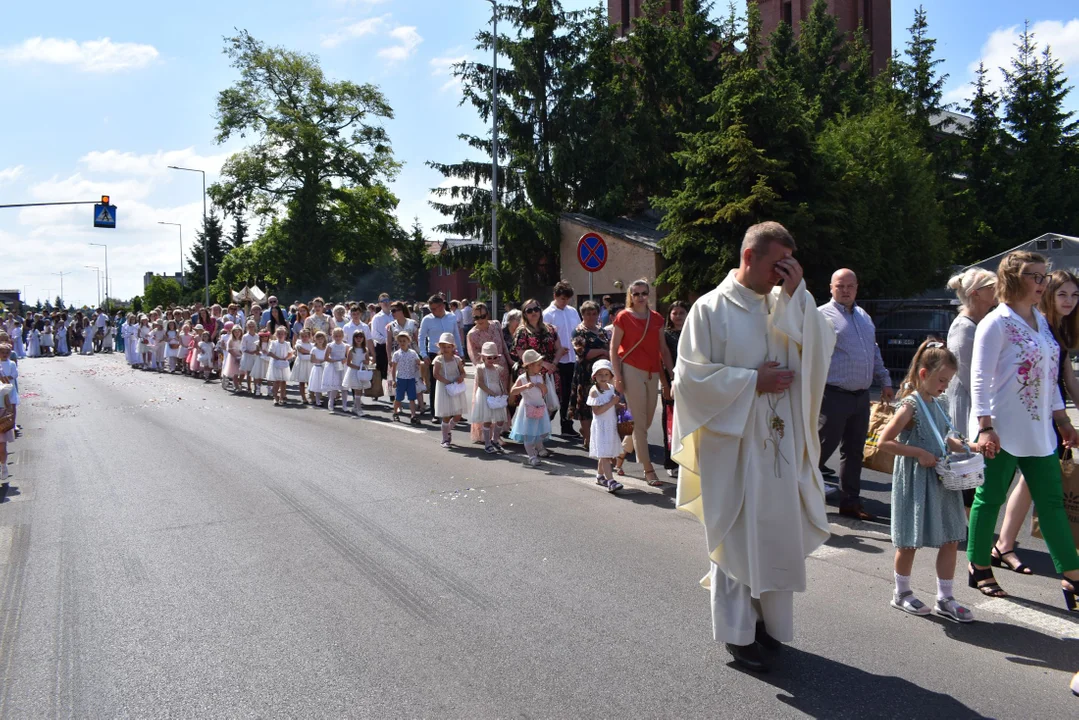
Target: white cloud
[
  {"x": 999, "y": 49},
  {"x": 359, "y": 2},
  {"x": 127, "y": 163},
  {"x": 354, "y": 30},
  {"x": 407, "y": 41},
  {"x": 100, "y": 56},
  {"x": 10, "y": 174},
  {"x": 442, "y": 67}
]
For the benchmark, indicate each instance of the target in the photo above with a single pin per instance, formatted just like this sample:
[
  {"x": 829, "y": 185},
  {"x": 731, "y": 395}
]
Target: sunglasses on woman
[
  {"x": 531, "y": 310},
  {"x": 640, "y": 294},
  {"x": 479, "y": 317}
]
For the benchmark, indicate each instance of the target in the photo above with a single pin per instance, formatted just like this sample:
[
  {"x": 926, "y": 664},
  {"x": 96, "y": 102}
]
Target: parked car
[{"x": 901, "y": 331}]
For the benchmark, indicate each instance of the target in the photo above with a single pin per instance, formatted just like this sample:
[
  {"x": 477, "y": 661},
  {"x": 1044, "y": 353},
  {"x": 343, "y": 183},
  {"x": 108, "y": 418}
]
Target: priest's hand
[
  {"x": 791, "y": 272},
  {"x": 770, "y": 379}
]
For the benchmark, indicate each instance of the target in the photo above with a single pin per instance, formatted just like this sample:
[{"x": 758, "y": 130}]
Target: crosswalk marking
[{"x": 1015, "y": 610}]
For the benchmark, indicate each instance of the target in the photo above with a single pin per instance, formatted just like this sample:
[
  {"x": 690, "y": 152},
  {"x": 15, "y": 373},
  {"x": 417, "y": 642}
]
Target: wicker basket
[
  {"x": 961, "y": 471},
  {"x": 625, "y": 428}
]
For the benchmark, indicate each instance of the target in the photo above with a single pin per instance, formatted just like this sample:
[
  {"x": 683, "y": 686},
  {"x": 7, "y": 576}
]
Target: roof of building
[
  {"x": 642, "y": 230},
  {"x": 952, "y": 123},
  {"x": 437, "y": 246},
  {"x": 1062, "y": 251}
]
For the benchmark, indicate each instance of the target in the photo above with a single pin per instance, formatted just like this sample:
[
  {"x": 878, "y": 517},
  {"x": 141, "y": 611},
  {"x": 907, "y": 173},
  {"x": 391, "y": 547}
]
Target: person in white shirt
[
  {"x": 356, "y": 324},
  {"x": 466, "y": 317},
  {"x": 101, "y": 321},
  {"x": 378, "y": 338},
  {"x": 565, "y": 319},
  {"x": 1015, "y": 400}
]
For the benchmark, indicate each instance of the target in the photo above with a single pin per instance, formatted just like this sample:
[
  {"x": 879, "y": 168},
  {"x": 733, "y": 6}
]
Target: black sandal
[
  {"x": 1071, "y": 594},
  {"x": 997, "y": 557},
  {"x": 984, "y": 582}
]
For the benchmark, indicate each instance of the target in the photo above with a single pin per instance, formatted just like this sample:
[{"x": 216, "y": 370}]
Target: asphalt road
[{"x": 169, "y": 550}]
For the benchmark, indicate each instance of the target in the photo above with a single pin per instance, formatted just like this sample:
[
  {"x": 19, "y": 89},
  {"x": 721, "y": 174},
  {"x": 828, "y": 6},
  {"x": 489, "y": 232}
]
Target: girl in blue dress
[{"x": 531, "y": 422}]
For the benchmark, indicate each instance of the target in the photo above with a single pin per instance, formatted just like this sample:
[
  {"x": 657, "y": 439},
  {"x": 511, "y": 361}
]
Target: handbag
[
  {"x": 625, "y": 422},
  {"x": 363, "y": 374},
  {"x": 1069, "y": 481},
  {"x": 957, "y": 471},
  {"x": 873, "y": 458},
  {"x": 455, "y": 389},
  {"x": 7, "y": 417},
  {"x": 497, "y": 402},
  {"x": 551, "y": 396},
  {"x": 535, "y": 412}
]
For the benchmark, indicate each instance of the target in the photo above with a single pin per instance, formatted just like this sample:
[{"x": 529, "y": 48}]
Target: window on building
[
  {"x": 676, "y": 5},
  {"x": 1058, "y": 244},
  {"x": 1041, "y": 244},
  {"x": 788, "y": 12},
  {"x": 625, "y": 16}
]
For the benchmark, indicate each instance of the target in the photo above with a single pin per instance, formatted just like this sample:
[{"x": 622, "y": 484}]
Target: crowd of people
[{"x": 758, "y": 387}]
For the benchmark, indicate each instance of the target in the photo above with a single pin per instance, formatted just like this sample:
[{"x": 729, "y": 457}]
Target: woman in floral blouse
[
  {"x": 591, "y": 343},
  {"x": 1015, "y": 400}
]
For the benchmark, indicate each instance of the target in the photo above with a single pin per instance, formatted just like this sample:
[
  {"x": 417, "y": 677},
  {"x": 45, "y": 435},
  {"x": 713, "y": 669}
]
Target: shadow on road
[
  {"x": 1022, "y": 645},
  {"x": 824, "y": 688},
  {"x": 860, "y": 543}
]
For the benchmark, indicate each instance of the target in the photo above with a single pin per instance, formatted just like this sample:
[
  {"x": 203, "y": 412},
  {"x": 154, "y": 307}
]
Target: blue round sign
[{"x": 592, "y": 252}]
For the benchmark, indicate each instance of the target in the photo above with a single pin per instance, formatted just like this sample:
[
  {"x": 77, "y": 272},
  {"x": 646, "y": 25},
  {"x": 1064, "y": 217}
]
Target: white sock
[
  {"x": 902, "y": 583},
  {"x": 944, "y": 589}
]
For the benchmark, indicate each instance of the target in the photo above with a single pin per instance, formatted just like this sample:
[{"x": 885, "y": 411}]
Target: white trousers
[{"x": 735, "y": 612}]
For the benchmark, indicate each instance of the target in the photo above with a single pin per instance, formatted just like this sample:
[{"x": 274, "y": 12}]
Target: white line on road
[
  {"x": 826, "y": 551},
  {"x": 1063, "y": 628}
]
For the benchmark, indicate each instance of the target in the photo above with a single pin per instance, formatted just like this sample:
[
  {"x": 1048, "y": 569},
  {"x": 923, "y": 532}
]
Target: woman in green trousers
[{"x": 1015, "y": 401}]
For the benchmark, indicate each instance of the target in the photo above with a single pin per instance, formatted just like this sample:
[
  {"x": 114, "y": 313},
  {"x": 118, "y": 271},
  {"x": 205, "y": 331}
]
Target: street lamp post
[
  {"x": 494, "y": 151},
  {"x": 106, "y": 269},
  {"x": 205, "y": 252},
  {"x": 183, "y": 280},
  {"x": 96, "y": 269},
  {"x": 61, "y": 274}
]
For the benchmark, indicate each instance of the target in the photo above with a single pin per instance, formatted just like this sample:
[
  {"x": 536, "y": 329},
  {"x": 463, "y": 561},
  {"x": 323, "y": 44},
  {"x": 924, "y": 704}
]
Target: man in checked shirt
[{"x": 856, "y": 362}]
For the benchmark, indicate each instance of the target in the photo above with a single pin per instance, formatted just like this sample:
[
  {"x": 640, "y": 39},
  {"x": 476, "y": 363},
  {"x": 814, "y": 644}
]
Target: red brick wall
[
  {"x": 875, "y": 15},
  {"x": 453, "y": 284}
]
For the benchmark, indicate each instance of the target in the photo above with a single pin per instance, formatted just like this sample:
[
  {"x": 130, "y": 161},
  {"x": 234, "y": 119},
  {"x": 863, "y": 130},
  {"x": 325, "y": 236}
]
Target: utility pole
[
  {"x": 61, "y": 274},
  {"x": 106, "y": 270},
  {"x": 96, "y": 269},
  {"x": 494, "y": 152},
  {"x": 205, "y": 251},
  {"x": 183, "y": 274}
]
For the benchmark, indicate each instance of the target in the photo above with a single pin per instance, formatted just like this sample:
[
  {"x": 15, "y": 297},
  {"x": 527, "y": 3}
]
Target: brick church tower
[{"x": 874, "y": 15}]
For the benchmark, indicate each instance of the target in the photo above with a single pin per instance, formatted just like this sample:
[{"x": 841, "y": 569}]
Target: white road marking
[
  {"x": 1064, "y": 628},
  {"x": 7, "y": 534},
  {"x": 395, "y": 426},
  {"x": 838, "y": 529}
]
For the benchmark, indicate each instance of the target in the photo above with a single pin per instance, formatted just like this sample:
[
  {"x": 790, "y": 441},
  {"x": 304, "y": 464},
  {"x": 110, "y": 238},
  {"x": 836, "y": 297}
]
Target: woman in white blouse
[{"x": 1015, "y": 401}]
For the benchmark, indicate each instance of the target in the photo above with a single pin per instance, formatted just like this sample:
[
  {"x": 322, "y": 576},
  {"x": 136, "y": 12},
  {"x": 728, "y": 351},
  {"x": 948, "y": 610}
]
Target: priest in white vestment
[{"x": 752, "y": 363}]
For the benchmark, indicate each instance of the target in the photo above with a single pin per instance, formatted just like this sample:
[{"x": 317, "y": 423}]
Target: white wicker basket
[{"x": 961, "y": 471}]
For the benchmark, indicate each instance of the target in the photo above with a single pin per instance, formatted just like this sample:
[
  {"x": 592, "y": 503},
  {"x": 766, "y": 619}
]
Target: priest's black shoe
[
  {"x": 765, "y": 640},
  {"x": 748, "y": 657}
]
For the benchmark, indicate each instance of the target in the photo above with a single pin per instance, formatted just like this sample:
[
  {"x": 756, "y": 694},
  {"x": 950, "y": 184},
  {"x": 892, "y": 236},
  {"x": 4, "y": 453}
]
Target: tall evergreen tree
[
  {"x": 410, "y": 268},
  {"x": 822, "y": 50},
  {"x": 238, "y": 237},
  {"x": 210, "y": 237},
  {"x": 921, "y": 84}
]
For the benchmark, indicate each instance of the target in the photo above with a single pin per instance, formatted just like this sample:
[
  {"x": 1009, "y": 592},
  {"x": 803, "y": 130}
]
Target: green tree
[
  {"x": 740, "y": 170},
  {"x": 238, "y": 236},
  {"x": 880, "y": 213},
  {"x": 161, "y": 292},
  {"x": 136, "y": 304},
  {"x": 210, "y": 237},
  {"x": 410, "y": 269},
  {"x": 259, "y": 262},
  {"x": 315, "y": 142},
  {"x": 921, "y": 84}
]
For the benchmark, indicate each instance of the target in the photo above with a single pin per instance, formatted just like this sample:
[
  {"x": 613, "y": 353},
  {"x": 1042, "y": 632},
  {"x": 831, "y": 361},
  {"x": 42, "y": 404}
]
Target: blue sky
[{"x": 101, "y": 97}]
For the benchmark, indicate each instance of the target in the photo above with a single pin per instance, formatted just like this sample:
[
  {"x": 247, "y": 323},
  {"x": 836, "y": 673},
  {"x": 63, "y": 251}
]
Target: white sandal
[
  {"x": 906, "y": 602},
  {"x": 950, "y": 609}
]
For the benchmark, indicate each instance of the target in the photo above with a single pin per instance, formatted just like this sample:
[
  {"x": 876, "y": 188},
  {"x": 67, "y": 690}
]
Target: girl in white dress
[
  {"x": 357, "y": 376},
  {"x": 34, "y": 345},
  {"x": 318, "y": 367},
  {"x": 61, "y": 337},
  {"x": 604, "y": 444},
  {"x": 146, "y": 352},
  {"x": 131, "y": 341},
  {"x": 159, "y": 342},
  {"x": 489, "y": 404},
  {"x": 261, "y": 370},
  {"x": 185, "y": 346},
  {"x": 172, "y": 345},
  {"x": 46, "y": 340},
  {"x": 450, "y": 399},
  {"x": 206, "y": 356},
  {"x": 333, "y": 374},
  {"x": 301, "y": 365},
  {"x": 233, "y": 356},
  {"x": 249, "y": 348},
  {"x": 280, "y": 353},
  {"x": 87, "y": 337}
]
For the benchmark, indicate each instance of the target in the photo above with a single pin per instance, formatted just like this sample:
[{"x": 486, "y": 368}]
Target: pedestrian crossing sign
[{"x": 104, "y": 216}]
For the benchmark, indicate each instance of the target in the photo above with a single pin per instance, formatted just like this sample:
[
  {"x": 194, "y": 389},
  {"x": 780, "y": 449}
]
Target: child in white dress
[
  {"x": 206, "y": 356},
  {"x": 159, "y": 342},
  {"x": 333, "y": 374},
  {"x": 318, "y": 367},
  {"x": 146, "y": 351},
  {"x": 280, "y": 354},
  {"x": 489, "y": 405},
  {"x": 172, "y": 342},
  {"x": 449, "y": 374},
  {"x": 357, "y": 376},
  {"x": 261, "y": 369},
  {"x": 185, "y": 346},
  {"x": 249, "y": 348},
  {"x": 301, "y": 365},
  {"x": 46, "y": 341},
  {"x": 604, "y": 444}
]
